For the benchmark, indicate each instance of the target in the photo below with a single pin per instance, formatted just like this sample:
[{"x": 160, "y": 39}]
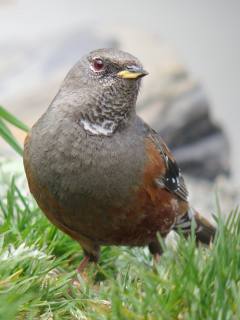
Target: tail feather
[{"x": 204, "y": 230}]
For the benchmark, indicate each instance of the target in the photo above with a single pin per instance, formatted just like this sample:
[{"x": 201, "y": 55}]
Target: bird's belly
[
  {"x": 134, "y": 224},
  {"x": 138, "y": 224}
]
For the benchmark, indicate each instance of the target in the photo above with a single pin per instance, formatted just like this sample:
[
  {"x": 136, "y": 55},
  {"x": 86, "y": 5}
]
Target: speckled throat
[
  {"x": 104, "y": 120},
  {"x": 109, "y": 110}
]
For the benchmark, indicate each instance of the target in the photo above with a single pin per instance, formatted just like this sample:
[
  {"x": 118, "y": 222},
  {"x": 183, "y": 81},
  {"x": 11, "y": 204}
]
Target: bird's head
[
  {"x": 107, "y": 67},
  {"x": 106, "y": 82}
]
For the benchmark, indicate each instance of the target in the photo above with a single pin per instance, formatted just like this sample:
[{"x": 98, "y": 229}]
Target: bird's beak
[{"x": 132, "y": 72}]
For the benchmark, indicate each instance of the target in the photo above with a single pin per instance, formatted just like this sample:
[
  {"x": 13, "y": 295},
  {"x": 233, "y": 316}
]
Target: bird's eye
[{"x": 97, "y": 64}]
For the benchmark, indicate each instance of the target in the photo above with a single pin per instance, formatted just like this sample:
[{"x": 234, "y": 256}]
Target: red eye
[{"x": 98, "y": 64}]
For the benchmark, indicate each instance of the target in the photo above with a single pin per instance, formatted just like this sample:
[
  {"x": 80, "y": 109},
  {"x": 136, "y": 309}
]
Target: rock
[
  {"x": 198, "y": 143},
  {"x": 217, "y": 199}
]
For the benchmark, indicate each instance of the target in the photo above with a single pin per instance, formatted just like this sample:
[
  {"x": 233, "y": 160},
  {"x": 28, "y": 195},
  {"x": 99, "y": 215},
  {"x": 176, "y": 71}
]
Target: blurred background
[{"x": 190, "y": 48}]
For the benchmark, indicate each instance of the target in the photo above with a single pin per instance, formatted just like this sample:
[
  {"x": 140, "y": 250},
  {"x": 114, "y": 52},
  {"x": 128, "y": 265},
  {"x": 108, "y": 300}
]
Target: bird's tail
[{"x": 204, "y": 230}]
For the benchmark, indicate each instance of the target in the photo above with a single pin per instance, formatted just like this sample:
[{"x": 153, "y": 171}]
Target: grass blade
[
  {"x": 6, "y": 134},
  {"x": 7, "y": 116}
]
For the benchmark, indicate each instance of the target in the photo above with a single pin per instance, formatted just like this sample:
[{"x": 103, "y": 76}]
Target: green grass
[
  {"x": 38, "y": 262},
  {"x": 6, "y": 134}
]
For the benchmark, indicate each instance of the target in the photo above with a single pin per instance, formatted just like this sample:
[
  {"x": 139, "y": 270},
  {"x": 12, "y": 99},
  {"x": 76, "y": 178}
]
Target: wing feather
[{"x": 172, "y": 179}]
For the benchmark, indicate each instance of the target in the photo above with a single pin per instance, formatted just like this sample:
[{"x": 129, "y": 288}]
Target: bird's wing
[{"x": 171, "y": 179}]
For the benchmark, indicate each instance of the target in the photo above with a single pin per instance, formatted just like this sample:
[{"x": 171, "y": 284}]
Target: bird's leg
[
  {"x": 156, "y": 258},
  {"x": 83, "y": 264},
  {"x": 89, "y": 257},
  {"x": 156, "y": 250}
]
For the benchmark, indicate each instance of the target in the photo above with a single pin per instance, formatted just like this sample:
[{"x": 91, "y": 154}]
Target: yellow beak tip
[{"x": 127, "y": 74}]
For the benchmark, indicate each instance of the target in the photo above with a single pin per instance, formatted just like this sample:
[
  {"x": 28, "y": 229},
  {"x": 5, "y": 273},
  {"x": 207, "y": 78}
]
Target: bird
[{"x": 99, "y": 172}]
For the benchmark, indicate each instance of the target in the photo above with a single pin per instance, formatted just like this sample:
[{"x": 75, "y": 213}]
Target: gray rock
[{"x": 182, "y": 114}]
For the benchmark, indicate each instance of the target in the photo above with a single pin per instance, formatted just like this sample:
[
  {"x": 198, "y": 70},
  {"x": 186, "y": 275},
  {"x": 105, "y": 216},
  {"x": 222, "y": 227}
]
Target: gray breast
[{"x": 79, "y": 169}]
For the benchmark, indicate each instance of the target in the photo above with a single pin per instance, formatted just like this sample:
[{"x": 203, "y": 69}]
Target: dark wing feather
[{"x": 172, "y": 180}]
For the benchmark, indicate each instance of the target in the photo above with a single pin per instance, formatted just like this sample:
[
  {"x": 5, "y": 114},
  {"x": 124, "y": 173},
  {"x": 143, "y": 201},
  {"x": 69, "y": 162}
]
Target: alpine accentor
[{"x": 98, "y": 171}]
